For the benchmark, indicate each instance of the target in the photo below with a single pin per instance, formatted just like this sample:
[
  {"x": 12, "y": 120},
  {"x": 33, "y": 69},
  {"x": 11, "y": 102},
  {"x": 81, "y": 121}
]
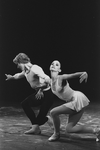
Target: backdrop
[{"x": 68, "y": 31}]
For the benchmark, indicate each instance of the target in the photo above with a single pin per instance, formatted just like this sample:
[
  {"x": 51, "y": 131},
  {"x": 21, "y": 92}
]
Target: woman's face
[{"x": 55, "y": 66}]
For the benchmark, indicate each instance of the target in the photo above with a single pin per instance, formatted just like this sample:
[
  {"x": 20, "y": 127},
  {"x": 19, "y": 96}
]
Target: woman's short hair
[{"x": 21, "y": 58}]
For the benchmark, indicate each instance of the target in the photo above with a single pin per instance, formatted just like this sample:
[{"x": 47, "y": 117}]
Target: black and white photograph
[{"x": 50, "y": 75}]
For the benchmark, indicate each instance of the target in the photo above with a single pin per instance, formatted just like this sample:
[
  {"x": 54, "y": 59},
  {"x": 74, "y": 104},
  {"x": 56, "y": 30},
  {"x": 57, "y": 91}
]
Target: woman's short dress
[
  {"x": 75, "y": 100},
  {"x": 78, "y": 101}
]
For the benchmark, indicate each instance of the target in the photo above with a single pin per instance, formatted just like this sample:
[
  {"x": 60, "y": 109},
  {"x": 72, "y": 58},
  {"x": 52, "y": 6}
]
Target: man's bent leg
[
  {"x": 27, "y": 107},
  {"x": 48, "y": 101}
]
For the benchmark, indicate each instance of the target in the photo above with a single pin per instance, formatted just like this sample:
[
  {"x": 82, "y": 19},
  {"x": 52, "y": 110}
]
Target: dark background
[{"x": 68, "y": 31}]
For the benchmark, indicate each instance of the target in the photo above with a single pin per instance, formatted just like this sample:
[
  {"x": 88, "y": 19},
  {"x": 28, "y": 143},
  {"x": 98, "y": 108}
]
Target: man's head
[
  {"x": 55, "y": 66},
  {"x": 21, "y": 58}
]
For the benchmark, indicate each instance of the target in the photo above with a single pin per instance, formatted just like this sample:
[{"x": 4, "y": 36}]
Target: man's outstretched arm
[{"x": 16, "y": 76}]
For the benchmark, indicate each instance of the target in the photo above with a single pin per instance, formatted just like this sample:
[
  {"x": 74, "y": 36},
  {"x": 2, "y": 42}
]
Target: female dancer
[{"x": 75, "y": 105}]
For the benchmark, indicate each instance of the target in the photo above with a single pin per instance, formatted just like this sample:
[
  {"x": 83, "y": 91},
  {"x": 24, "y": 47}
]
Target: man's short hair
[{"x": 21, "y": 58}]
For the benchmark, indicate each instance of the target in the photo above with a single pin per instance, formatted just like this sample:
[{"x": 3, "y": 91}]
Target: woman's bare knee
[
  {"x": 53, "y": 112},
  {"x": 68, "y": 129}
]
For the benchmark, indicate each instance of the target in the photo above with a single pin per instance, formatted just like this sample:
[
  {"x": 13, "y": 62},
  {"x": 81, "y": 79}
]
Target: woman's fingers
[{"x": 81, "y": 80}]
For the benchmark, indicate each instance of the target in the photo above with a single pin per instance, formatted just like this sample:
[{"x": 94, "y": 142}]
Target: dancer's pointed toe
[{"x": 54, "y": 137}]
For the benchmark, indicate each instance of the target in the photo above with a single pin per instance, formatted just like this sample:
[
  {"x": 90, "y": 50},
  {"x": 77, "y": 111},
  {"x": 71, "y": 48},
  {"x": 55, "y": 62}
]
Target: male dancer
[{"x": 39, "y": 81}]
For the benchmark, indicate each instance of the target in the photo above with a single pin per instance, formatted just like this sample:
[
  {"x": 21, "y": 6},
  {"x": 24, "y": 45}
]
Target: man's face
[
  {"x": 20, "y": 66},
  {"x": 55, "y": 66}
]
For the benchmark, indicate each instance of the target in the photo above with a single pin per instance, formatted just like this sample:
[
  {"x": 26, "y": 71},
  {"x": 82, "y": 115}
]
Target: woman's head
[
  {"x": 55, "y": 66},
  {"x": 21, "y": 58}
]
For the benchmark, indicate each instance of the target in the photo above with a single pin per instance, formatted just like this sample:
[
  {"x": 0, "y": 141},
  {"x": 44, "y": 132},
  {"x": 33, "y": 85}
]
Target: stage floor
[{"x": 13, "y": 124}]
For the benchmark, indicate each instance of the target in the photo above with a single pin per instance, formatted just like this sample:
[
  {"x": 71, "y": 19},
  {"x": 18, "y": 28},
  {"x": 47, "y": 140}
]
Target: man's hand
[
  {"x": 84, "y": 76},
  {"x": 9, "y": 76},
  {"x": 45, "y": 86},
  {"x": 39, "y": 94},
  {"x": 48, "y": 80}
]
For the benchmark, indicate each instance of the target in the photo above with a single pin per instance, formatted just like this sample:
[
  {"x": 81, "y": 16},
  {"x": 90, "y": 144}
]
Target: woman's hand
[
  {"x": 39, "y": 94},
  {"x": 84, "y": 76}
]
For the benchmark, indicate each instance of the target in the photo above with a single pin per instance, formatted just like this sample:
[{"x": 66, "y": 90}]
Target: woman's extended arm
[{"x": 81, "y": 75}]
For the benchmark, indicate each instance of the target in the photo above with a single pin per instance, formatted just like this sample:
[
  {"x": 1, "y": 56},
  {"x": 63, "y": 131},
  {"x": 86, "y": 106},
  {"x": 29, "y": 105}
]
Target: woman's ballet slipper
[{"x": 54, "y": 137}]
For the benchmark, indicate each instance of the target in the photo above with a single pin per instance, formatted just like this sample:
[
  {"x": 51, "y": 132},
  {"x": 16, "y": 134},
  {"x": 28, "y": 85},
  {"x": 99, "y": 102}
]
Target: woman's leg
[
  {"x": 55, "y": 112},
  {"x": 73, "y": 120},
  {"x": 73, "y": 128}
]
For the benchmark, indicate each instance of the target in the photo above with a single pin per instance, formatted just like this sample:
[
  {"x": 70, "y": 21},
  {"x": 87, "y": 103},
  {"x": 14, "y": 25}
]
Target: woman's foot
[
  {"x": 97, "y": 133},
  {"x": 54, "y": 137},
  {"x": 34, "y": 130}
]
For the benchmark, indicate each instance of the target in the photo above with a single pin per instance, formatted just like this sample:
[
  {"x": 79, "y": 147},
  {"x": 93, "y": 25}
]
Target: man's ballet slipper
[{"x": 34, "y": 130}]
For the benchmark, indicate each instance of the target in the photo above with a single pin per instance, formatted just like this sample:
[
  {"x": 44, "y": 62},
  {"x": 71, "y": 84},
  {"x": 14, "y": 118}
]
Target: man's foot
[
  {"x": 97, "y": 133},
  {"x": 34, "y": 130},
  {"x": 54, "y": 137}
]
